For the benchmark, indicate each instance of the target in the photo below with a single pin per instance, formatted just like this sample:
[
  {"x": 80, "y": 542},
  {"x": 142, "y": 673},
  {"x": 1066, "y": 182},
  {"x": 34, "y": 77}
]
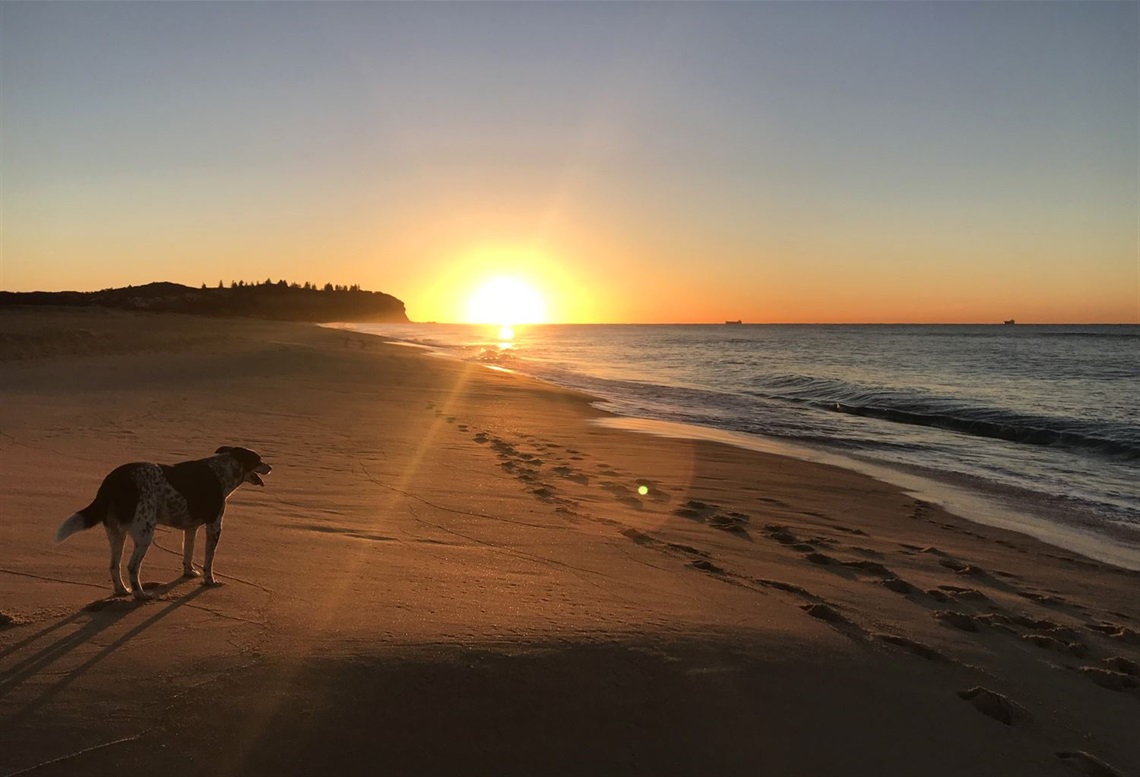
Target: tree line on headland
[{"x": 280, "y": 300}]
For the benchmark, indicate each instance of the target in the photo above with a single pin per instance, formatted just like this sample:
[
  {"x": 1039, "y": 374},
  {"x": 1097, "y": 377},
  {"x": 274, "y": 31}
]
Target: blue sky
[{"x": 635, "y": 162}]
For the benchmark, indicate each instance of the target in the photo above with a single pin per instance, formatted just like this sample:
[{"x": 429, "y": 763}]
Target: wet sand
[{"x": 453, "y": 570}]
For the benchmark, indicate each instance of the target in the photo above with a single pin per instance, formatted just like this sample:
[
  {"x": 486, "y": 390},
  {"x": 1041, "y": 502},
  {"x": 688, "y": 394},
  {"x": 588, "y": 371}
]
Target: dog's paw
[
  {"x": 121, "y": 592},
  {"x": 211, "y": 582},
  {"x": 142, "y": 596},
  {"x": 191, "y": 573}
]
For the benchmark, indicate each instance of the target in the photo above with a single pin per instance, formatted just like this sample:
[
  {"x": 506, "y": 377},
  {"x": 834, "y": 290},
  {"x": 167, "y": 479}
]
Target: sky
[{"x": 621, "y": 162}]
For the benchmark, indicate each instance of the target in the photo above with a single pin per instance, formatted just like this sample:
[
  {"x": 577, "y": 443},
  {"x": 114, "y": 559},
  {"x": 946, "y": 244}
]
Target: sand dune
[{"x": 451, "y": 570}]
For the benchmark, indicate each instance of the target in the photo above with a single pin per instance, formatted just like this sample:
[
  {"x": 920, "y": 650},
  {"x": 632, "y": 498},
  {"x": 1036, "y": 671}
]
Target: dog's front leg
[
  {"x": 188, "y": 536},
  {"x": 213, "y": 533}
]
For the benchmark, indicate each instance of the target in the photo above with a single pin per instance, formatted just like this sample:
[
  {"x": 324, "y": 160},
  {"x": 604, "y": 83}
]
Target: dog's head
[{"x": 250, "y": 461}]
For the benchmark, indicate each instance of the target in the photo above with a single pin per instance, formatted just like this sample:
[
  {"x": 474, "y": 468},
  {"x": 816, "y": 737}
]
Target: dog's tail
[
  {"x": 117, "y": 496},
  {"x": 84, "y": 519}
]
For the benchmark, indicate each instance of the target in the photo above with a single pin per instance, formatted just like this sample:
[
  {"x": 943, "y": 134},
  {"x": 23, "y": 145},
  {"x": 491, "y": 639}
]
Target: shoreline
[
  {"x": 454, "y": 569},
  {"x": 960, "y": 501},
  {"x": 1120, "y": 547}
]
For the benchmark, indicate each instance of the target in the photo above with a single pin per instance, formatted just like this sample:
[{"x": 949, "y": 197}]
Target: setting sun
[{"x": 506, "y": 301}]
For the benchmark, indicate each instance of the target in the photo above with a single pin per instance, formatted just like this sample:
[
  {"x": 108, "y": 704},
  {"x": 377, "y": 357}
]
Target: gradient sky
[{"x": 646, "y": 162}]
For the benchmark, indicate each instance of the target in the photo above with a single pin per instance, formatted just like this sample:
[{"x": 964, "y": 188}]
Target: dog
[{"x": 136, "y": 497}]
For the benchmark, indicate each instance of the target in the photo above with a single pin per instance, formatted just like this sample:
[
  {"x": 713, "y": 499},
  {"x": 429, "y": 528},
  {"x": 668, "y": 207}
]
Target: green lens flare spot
[{"x": 643, "y": 490}]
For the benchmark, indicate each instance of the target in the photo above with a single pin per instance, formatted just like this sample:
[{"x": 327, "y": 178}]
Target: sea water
[{"x": 1043, "y": 419}]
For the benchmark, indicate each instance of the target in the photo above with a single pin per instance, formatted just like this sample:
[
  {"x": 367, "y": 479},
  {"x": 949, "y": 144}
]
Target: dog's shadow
[{"x": 101, "y": 615}]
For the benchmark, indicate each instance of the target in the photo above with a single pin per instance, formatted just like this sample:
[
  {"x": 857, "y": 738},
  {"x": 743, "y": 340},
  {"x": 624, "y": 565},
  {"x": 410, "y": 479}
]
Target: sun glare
[{"x": 505, "y": 302}]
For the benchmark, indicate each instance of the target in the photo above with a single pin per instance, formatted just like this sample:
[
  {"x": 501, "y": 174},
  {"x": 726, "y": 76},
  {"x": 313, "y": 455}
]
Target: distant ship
[
  {"x": 1009, "y": 322},
  {"x": 738, "y": 321}
]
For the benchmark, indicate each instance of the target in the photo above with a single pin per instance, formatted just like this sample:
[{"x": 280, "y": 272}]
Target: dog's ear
[{"x": 223, "y": 449}]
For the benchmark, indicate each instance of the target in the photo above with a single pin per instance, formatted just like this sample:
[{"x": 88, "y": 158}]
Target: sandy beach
[{"x": 452, "y": 570}]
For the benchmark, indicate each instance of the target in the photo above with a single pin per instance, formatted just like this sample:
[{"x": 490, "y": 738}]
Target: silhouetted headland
[{"x": 280, "y": 301}]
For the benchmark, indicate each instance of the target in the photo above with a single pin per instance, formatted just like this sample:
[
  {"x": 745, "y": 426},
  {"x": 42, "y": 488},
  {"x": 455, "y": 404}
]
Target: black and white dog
[{"x": 135, "y": 498}]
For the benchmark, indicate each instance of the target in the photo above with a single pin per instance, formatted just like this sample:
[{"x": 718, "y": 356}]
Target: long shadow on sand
[{"x": 103, "y": 614}]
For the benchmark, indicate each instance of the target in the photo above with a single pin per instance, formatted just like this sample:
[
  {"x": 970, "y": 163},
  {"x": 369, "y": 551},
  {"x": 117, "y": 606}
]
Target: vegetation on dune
[{"x": 280, "y": 300}]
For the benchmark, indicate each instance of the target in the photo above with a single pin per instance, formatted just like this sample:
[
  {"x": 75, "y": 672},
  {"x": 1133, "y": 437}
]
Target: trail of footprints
[{"x": 964, "y": 607}]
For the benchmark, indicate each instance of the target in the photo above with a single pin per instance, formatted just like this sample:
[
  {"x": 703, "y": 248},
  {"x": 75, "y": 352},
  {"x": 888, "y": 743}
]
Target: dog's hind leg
[
  {"x": 188, "y": 569},
  {"x": 142, "y": 532},
  {"x": 213, "y": 533},
  {"x": 116, "y": 537}
]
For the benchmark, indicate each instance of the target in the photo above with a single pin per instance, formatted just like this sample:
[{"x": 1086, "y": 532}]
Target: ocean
[{"x": 1032, "y": 427}]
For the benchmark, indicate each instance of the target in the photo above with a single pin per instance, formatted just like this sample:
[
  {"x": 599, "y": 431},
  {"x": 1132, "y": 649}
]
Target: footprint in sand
[
  {"x": 1123, "y": 665},
  {"x": 729, "y": 522},
  {"x": 710, "y": 514},
  {"x": 919, "y": 649},
  {"x": 1108, "y": 678},
  {"x": 780, "y": 534},
  {"x": 993, "y": 704},
  {"x": 1047, "y": 642},
  {"x": 780, "y": 585},
  {"x": 689, "y": 549},
  {"x": 641, "y": 538},
  {"x": 850, "y": 530},
  {"x": 958, "y": 620},
  {"x": 695, "y": 510},
  {"x": 572, "y": 475},
  {"x": 920, "y": 509},
  {"x": 702, "y": 562},
  {"x": 1116, "y": 631},
  {"x": 898, "y": 585},
  {"x": 1048, "y": 600},
  {"x": 1086, "y": 764},
  {"x": 959, "y": 567},
  {"x": 870, "y": 567},
  {"x": 824, "y": 612},
  {"x": 504, "y": 448},
  {"x": 958, "y": 592}
]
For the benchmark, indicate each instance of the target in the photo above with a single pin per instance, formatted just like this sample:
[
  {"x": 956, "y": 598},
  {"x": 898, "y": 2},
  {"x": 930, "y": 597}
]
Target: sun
[{"x": 506, "y": 301}]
